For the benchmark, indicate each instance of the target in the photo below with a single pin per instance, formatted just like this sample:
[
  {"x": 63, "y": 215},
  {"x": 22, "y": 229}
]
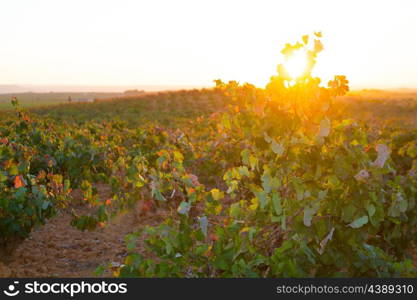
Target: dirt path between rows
[{"x": 59, "y": 250}]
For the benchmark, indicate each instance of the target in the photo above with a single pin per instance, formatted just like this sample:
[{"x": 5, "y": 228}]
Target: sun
[{"x": 296, "y": 64}]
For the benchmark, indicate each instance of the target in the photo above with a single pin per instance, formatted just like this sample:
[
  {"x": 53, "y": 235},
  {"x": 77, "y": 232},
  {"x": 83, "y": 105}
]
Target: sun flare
[{"x": 296, "y": 64}]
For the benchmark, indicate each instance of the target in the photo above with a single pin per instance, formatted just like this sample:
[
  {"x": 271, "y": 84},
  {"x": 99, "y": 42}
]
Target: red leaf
[{"x": 18, "y": 182}]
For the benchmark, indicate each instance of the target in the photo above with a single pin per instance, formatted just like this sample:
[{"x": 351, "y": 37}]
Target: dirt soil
[{"x": 58, "y": 249}]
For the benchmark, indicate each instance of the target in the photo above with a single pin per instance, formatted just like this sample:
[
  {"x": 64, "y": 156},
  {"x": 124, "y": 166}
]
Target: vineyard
[{"x": 291, "y": 180}]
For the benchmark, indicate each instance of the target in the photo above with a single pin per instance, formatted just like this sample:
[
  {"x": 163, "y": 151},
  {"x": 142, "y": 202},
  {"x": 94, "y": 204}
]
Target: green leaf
[
  {"x": 203, "y": 224},
  {"x": 252, "y": 232},
  {"x": 324, "y": 127},
  {"x": 269, "y": 183},
  {"x": 158, "y": 195},
  {"x": 46, "y": 204},
  {"x": 67, "y": 185},
  {"x": 245, "y": 156},
  {"x": 402, "y": 203},
  {"x": 184, "y": 208},
  {"x": 277, "y": 148},
  {"x": 261, "y": 195},
  {"x": 309, "y": 212},
  {"x": 275, "y": 219},
  {"x": 359, "y": 222},
  {"x": 283, "y": 222},
  {"x": 99, "y": 271},
  {"x": 2, "y": 177},
  {"x": 276, "y": 201},
  {"x": 131, "y": 240},
  {"x": 234, "y": 210},
  {"x": 371, "y": 209},
  {"x": 200, "y": 250},
  {"x": 399, "y": 205},
  {"x": 243, "y": 171},
  {"x": 383, "y": 155}
]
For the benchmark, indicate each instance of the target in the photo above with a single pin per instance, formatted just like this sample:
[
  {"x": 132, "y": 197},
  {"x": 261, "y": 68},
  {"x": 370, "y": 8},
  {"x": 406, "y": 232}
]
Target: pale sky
[{"x": 121, "y": 42}]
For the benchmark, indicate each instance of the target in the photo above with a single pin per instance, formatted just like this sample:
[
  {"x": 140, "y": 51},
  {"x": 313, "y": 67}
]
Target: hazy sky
[{"x": 120, "y": 42}]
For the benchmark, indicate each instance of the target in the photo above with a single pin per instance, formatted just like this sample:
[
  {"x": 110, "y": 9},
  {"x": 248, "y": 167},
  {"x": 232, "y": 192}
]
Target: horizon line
[{"x": 18, "y": 88}]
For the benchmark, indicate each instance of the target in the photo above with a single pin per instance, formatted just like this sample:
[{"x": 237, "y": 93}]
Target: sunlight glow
[{"x": 296, "y": 64}]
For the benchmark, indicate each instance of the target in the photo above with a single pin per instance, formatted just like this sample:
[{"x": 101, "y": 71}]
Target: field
[
  {"x": 44, "y": 99},
  {"x": 144, "y": 161},
  {"x": 292, "y": 180}
]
